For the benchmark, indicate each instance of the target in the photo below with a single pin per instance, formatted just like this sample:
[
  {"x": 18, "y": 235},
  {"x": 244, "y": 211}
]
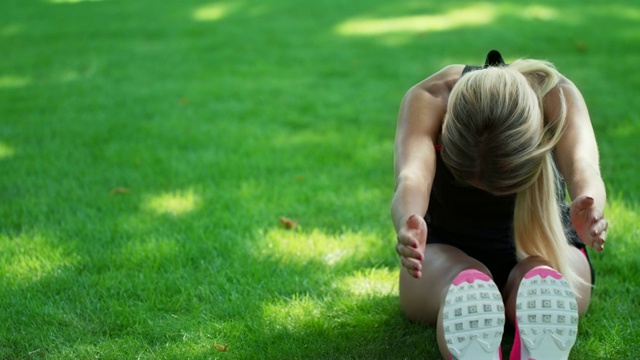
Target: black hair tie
[{"x": 494, "y": 58}]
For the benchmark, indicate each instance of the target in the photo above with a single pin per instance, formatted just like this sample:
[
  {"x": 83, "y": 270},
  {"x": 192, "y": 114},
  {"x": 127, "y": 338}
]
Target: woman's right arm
[{"x": 419, "y": 124}]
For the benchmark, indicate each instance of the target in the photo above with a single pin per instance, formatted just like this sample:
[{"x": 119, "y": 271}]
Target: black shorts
[{"x": 499, "y": 255}]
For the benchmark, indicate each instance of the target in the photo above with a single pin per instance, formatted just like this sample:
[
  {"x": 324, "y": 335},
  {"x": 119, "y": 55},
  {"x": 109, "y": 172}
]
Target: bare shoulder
[
  {"x": 430, "y": 95},
  {"x": 440, "y": 83},
  {"x": 565, "y": 93},
  {"x": 565, "y": 84},
  {"x": 424, "y": 106}
]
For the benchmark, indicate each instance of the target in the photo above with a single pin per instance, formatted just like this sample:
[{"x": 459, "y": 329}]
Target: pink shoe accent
[
  {"x": 516, "y": 350},
  {"x": 584, "y": 252},
  {"x": 469, "y": 276},
  {"x": 543, "y": 271}
]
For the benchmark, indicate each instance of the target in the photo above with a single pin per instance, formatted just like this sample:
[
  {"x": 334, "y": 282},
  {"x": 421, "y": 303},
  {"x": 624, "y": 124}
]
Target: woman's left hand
[{"x": 589, "y": 222}]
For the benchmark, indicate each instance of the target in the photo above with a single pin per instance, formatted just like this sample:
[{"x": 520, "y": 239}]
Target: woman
[{"x": 482, "y": 155}]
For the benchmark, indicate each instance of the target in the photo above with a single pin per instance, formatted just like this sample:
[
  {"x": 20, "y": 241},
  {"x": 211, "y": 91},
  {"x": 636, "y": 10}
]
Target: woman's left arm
[{"x": 578, "y": 160}]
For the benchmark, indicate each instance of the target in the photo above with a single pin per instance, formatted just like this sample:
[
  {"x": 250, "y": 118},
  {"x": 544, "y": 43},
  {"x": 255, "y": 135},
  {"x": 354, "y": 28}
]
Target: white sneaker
[
  {"x": 547, "y": 316},
  {"x": 473, "y": 317}
]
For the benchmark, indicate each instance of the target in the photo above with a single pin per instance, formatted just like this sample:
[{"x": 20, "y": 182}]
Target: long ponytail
[{"x": 538, "y": 226}]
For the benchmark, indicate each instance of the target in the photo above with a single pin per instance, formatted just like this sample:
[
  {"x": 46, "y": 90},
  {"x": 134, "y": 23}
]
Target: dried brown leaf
[
  {"x": 288, "y": 223},
  {"x": 120, "y": 190},
  {"x": 220, "y": 347},
  {"x": 582, "y": 46}
]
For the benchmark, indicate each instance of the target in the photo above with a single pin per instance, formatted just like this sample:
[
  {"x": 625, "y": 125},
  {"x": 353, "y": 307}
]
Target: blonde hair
[{"x": 495, "y": 135}]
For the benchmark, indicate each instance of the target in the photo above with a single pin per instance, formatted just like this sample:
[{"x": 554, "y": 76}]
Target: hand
[
  {"x": 412, "y": 240},
  {"x": 589, "y": 222}
]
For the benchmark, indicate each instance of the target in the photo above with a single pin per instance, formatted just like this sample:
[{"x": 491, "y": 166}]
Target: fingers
[
  {"x": 589, "y": 221},
  {"x": 407, "y": 241},
  {"x": 599, "y": 227},
  {"x": 411, "y": 259},
  {"x": 411, "y": 237},
  {"x": 598, "y": 246},
  {"x": 413, "y": 267},
  {"x": 410, "y": 246},
  {"x": 596, "y": 216},
  {"x": 409, "y": 252},
  {"x": 599, "y": 234}
]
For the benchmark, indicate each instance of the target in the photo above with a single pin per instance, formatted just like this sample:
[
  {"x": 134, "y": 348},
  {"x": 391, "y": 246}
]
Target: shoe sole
[
  {"x": 547, "y": 315},
  {"x": 473, "y": 317}
]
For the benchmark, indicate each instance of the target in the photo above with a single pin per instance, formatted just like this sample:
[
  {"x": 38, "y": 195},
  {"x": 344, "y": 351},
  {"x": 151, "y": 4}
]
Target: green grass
[{"x": 148, "y": 149}]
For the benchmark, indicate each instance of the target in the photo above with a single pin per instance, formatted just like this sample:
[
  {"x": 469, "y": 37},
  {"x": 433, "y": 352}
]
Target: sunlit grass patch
[
  {"x": 300, "y": 247},
  {"x": 212, "y": 12},
  {"x": 623, "y": 231},
  {"x": 536, "y": 12},
  {"x": 29, "y": 257},
  {"x": 293, "y": 314},
  {"x": 398, "y": 30},
  {"x": 6, "y": 151},
  {"x": 8, "y": 82},
  {"x": 369, "y": 283},
  {"x": 175, "y": 203},
  {"x": 474, "y": 15}
]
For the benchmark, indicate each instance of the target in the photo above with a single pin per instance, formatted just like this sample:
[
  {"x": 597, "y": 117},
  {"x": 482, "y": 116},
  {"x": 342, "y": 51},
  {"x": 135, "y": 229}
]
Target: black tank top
[{"x": 469, "y": 213}]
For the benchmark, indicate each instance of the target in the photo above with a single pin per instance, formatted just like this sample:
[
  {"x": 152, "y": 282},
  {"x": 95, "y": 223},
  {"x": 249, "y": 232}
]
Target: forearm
[
  {"x": 584, "y": 179},
  {"x": 411, "y": 198},
  {"x": 577, "y": 151}
]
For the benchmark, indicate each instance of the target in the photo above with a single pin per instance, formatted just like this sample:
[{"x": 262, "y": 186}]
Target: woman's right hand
[{"x": 412, "y": 240}]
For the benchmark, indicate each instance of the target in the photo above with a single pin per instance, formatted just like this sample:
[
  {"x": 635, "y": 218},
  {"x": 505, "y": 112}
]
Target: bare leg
[
  {"x": 577, "y": 260},
  {"x": 422, "y": 299}
]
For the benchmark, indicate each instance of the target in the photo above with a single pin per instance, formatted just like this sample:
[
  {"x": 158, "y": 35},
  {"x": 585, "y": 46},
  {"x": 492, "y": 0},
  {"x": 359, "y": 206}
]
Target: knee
[
  {"x": 416, "y": 302},
  {"x": 519, "y": 271},
  {"x": 582, "y": 290},
  {"x": 421, "y": 299}
]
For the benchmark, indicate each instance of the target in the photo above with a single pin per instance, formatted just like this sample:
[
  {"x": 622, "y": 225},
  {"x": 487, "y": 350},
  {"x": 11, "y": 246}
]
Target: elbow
[{"x": 410, "y": 179}]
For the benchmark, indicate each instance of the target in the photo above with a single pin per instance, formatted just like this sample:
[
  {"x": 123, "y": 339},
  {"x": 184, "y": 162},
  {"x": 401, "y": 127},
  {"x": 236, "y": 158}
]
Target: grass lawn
[{"x": 149, "y": 148}]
